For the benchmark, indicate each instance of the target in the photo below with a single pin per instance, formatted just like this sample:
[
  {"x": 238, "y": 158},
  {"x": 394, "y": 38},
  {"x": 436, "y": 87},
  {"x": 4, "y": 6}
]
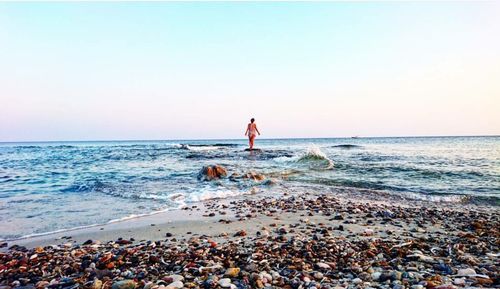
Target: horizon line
[{"x": 224, "y": 139}]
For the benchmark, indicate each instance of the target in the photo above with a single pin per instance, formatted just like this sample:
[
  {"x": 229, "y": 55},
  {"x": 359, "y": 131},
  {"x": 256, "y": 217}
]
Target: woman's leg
[{"x": 252, "y": 138}]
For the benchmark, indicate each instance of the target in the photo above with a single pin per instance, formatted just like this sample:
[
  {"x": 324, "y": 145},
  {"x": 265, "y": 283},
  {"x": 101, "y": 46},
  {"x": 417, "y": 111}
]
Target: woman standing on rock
[{"x": 252, "y": 132}]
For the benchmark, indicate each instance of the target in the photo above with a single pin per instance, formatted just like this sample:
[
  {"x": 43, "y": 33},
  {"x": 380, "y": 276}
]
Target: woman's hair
[{"x": 252, "y": 120}]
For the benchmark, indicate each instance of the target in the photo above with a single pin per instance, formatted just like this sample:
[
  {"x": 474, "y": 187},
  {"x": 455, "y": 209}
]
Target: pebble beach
[{"x": 352, "y": 239}]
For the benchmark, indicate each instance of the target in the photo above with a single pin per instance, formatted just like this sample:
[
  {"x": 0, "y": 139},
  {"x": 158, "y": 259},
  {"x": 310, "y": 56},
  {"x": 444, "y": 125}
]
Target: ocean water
[{"x": 52, "y": 186}]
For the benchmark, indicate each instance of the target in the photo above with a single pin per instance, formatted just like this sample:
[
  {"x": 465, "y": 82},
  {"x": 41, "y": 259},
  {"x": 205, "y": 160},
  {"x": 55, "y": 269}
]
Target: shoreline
[
  {"x": 196, "y": 213},
  {"x": 454, "y": 245}
]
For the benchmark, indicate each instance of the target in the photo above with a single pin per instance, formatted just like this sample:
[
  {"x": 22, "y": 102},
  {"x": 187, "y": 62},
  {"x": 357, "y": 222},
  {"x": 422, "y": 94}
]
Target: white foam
[
  {"x": 437, "y": 198},
  {"x": 135, "y": 216},
  {"x": 209, "y": 194},
  {"x": 201, "y": 148},
  {"x": 285, "y": 159},
  {"x": 314, "y": 151}
]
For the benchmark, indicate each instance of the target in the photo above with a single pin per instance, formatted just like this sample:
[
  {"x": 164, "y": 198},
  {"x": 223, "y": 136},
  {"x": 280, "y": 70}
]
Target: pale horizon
[{"x": 185, "y": 71}]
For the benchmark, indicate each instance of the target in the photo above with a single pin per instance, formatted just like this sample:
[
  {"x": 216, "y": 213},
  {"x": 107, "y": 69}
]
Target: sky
[{"x": 201, "y": 70}]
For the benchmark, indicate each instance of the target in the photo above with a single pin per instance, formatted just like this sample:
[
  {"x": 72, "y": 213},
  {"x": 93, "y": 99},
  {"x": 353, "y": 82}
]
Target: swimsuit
[{"x": 252, "y": 131}]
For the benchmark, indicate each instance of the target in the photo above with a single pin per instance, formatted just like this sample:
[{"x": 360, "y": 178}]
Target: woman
[{"x": 252, "y": 132}]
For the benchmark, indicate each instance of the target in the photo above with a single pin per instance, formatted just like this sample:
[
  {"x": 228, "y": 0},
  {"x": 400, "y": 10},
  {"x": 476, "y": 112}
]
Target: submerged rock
[
  {"x": 212, "y": 172},
  {"x": 253, "y": 150}
]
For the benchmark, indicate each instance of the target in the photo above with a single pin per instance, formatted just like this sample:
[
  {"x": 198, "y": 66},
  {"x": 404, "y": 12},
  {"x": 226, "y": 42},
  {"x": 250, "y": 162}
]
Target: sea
[{"x": 53, "y": 186}]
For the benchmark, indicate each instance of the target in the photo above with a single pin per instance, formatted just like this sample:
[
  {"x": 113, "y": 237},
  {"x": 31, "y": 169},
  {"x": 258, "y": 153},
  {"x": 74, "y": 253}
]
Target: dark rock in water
[
  {"x": 212, "y": 172},
  {"x": 213, "y": 145},
  {"x": 269, "y": 182},
  {"x": 253, "y": 150},
  {"x": 346, "y": 146},
  {"x": 254, "y": 176},
  {"x": 4, "y": 245},
  {"x": 88, "y": 242},
  {"x": 234, "y": 177},
  {"x": 250, "y": 175}
]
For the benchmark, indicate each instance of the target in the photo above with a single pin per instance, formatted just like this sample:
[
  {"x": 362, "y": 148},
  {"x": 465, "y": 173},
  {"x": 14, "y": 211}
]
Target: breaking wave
[{"x": 316, "y": 158}]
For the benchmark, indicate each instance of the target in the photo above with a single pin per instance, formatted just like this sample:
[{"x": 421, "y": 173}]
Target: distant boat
[{"x": 355, "y": 136}]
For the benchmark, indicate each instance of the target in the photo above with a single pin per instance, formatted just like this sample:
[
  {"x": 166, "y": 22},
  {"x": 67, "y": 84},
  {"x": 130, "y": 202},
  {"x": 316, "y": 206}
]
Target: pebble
[
  {"x": 175, "y": 285},
  {"x": 376, "y": 275},
  {"x": 459, "y": 281},
  {"x": 300, "y": 254},
  {"x": 124, "y": 284},
  {"x": 266, "y": 276},
  {"x": 323, "y": 265},
  {"x": 368, "y": 232},
  {"x": 232, "y": 272},
  {"x": 466, "y": 272},
  {"x": 97, "y": 284},
  {"x": 174, "y": 278},
  {"x": 225, "y": 282}
]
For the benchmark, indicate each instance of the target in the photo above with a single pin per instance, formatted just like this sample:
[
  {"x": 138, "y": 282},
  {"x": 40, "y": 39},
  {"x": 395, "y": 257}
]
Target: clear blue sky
[{"x": 97, "y": 71}]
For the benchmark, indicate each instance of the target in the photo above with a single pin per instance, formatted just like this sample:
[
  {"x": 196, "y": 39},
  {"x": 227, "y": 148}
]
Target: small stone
[
  {"x": 174, "y": 278},
  {"x": 175, "y": 285},
  {"x": 241, "y": 233},
  {"x": 422, "y": 258},
  {"x": 466, "y": 272},
  {"x": 318, "y": 275},
  {"x": 124, "y": 284},
  {"x": 224, "y": 282},
  {"x": 42, "y": 284},
  {"x": 357, "y": 281},
  {"x": 396, "y": 275},
  {"x": 323, "y": 265},
  {"x": 232, "y": 272},
  {"x": 97, "y": 284},
  {"x": 446, "y": 286},
  {"x": 459, "y": 281},
  {"x": 267, "y": 278},
  {"x": 365, "y": 276},
  {"x": 368, "y": 232},
  {"x": 376, "y": 276},
  {"x": 444, "y": 268}
]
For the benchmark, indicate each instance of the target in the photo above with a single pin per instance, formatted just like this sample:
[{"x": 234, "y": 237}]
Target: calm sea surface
[{"x": 53, "y": 186}]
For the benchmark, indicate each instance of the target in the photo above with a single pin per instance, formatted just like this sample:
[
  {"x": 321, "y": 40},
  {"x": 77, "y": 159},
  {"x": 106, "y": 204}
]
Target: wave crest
[{"x": 314, "y": 156}]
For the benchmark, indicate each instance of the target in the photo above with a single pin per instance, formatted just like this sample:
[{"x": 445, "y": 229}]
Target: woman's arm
[
  {"x": 257, "y": 129},
  {"x": 248, "y": 127}
]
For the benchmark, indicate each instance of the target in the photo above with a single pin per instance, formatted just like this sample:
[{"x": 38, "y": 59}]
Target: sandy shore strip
[{"x": 289, "y": 241}]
